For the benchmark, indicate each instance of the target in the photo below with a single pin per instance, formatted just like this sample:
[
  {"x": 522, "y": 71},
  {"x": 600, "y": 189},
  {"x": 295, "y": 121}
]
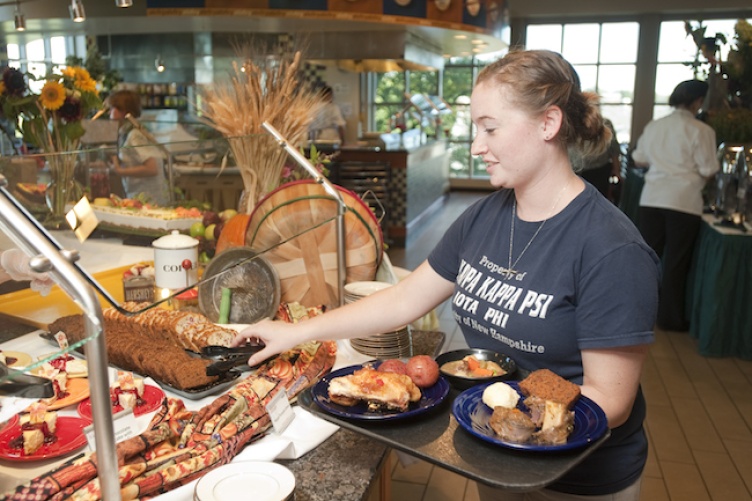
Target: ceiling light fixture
[
  {"x": 77, "y": 12},
  {"x": 124, "y": 3},
  {"x": 20, "y": 19},
  {"x": 159, "y": 64}
]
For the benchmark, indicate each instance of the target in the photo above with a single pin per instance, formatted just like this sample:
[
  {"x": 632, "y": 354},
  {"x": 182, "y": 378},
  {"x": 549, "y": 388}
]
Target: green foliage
[
  {"x": 732, "y": 125},
  {"x": 97, "y": 68},
  {"x": 739, "y": 66}
]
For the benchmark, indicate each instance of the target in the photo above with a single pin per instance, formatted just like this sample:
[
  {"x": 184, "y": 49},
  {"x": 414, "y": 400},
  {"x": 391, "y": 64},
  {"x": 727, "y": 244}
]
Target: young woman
[
  {"x": 140, "y": 162},
  {"x": 545, "y": 269}
]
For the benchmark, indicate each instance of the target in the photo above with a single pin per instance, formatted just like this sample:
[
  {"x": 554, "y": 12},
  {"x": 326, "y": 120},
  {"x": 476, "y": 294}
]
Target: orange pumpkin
[{"x": 233, "y": 232}]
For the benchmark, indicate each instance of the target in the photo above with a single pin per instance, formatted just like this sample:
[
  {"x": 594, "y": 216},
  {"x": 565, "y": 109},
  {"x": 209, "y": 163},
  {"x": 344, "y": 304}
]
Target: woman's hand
[{"x": 277, "y": 336}]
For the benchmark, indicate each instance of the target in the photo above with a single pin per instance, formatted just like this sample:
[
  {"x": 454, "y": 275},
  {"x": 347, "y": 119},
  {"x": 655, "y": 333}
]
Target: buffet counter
[
  {"x": 719, "y": 291},
  {"x": 210, "y": 183},
  {"x": 346, "y": 466},
  {"x": 104, "y": 258}
]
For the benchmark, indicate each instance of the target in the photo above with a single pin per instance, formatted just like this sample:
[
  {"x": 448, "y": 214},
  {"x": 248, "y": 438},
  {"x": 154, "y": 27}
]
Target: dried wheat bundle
[{"x": 271, "y": 92}]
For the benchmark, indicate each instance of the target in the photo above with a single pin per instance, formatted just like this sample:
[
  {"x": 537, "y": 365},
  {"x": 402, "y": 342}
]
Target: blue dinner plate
[
  {"x": 430, "y": 398},
  {"x": 473, "y": 415}
]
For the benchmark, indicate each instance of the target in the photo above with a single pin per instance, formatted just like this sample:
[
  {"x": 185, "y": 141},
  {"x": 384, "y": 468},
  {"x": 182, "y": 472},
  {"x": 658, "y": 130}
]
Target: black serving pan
[{"x": 226, "y": 378}]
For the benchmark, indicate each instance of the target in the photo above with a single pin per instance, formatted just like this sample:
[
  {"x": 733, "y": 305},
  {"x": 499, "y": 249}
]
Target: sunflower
[
  {"x": 15, "y": 85},
  {"x": 71, "y": 110},
  {"x": 69, "y": 72},
  {"x": 85, "y": 84},
  {"x": 52, "y": 96}
]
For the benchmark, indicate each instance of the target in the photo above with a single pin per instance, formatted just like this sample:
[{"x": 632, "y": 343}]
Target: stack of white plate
[
  {"x": 394, "y": 344},
  {"x": 359, "y": 290}
]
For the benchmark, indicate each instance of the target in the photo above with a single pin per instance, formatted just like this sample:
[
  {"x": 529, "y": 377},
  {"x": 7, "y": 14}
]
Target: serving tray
[{"x": 225, "y": 381}]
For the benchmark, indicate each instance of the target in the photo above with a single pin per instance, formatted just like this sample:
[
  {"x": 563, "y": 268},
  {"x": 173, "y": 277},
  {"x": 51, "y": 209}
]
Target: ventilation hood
[{"x": 377, "y": 51}]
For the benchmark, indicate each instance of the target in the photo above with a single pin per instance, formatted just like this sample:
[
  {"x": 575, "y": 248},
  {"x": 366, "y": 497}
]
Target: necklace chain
[{"x": 510, "y": 269}]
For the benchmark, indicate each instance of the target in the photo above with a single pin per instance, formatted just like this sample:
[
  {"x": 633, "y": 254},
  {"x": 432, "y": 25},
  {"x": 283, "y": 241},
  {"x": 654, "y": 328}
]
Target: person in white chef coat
[{"x": 329, "y": 124}]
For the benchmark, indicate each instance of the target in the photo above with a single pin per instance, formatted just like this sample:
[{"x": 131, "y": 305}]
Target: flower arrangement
[
  {"x": 51, "y": 122},
  {"x": 291, "y": 172},
  {"x": 729, "y": 101},
  {"x": 264, "y": 89}
]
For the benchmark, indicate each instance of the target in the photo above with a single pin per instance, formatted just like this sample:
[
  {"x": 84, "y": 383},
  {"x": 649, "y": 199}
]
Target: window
[
  {"x": 389, "y": 99},
  {"x": 457, "y": 83},
  {"x": 40, "y": 56},
  {"x": 605, "y": 58},
  {"x": 679, "y": 59}
]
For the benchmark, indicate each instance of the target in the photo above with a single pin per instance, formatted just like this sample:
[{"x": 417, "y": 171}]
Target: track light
[
  {"x": 159, "y": 64},
  {"x": 20, "y": 22},
  {"x": 123, "y": 3},
  {"x": 20, "y": 19},
  {"x": 77, "y": 12}
]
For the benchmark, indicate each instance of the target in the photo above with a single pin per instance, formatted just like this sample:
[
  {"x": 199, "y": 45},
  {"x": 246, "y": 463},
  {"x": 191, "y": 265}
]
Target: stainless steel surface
[
  {"x": 28, "y": 234},
  {"x": 253, "y": 281},
  {"x": 333, "y": 192}
]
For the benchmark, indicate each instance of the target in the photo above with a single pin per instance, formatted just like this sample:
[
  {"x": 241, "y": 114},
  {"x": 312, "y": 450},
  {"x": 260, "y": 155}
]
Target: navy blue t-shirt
[{"x": 586, "y": 281}]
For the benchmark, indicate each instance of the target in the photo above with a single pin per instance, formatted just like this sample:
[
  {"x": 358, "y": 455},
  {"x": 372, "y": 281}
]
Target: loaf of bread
[
  {"x": 192, "y": 331},
  {"x": 547, "y": 385},
  {"x": 143, "y": 347}
]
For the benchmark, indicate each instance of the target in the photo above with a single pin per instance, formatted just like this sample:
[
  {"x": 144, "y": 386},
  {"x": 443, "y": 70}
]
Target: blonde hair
[{"x": 538, "y": 79}]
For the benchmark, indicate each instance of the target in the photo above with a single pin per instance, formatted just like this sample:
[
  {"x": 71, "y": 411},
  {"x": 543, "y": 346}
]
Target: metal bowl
[
  {"x": 252, "y": 279},
  {"x": 463, "y": 383}
]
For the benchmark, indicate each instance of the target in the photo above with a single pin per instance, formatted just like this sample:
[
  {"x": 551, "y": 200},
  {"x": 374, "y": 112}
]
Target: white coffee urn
[{"x": 175, "y": 261}]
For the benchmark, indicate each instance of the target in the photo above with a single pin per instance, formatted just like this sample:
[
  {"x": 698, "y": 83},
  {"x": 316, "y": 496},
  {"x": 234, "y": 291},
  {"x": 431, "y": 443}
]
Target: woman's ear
[{"x": 552, "y": 119}]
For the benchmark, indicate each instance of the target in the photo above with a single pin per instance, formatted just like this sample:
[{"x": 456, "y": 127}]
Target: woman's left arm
[
  {"x": 611, "y": 379},
  {"x": 148, "y": 169}
]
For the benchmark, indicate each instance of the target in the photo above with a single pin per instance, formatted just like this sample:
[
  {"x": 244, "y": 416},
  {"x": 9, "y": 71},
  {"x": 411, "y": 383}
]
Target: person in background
[
  {"x": 531, "y": 269},
  {"x": 329, "y": 124},
  {"x": 139, "y": 162},
  {"x": 599, "y": 170},
  {"x": 14, "y": 265},
  {"x": 680, "y": 152}
]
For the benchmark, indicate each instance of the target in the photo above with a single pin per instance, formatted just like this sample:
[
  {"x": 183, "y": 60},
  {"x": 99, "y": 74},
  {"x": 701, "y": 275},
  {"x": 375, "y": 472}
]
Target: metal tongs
[
  {"x": 24, "y": 385},
  {"x": 229, "y": 359}
]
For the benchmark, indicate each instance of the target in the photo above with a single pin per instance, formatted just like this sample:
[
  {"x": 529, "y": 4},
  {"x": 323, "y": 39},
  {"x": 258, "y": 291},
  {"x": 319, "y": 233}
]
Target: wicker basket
[{"x": 305, "y": 258}]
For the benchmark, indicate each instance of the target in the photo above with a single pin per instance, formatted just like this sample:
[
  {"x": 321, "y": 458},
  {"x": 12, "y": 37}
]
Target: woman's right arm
[{"x": 384, "y": 311}]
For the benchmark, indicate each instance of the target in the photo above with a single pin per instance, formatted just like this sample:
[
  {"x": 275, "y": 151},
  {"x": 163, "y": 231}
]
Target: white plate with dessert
[{"x": 15, "y": 359}]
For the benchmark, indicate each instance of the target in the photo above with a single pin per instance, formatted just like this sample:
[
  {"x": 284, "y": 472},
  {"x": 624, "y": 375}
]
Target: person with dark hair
[
  {"x": 680, "y": 152},
  {"x": 329, "y": 124},
  {"x": 531, "y": 269},
  {"x": 139, "y": 162}
]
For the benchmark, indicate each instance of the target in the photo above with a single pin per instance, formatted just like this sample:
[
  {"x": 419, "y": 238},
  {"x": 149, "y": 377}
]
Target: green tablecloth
[{"x": 721, "y": 292}]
